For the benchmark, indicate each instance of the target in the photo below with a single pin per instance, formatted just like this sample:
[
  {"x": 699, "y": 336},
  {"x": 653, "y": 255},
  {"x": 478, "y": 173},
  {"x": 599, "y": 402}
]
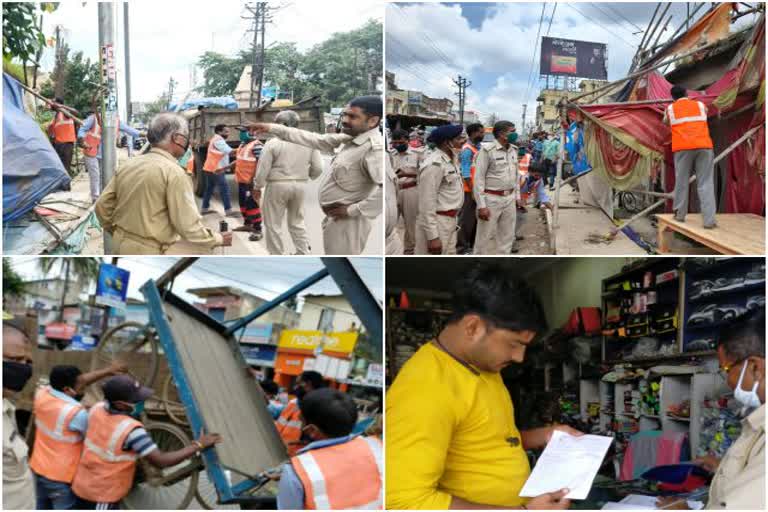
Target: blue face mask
[
  {"x": 138, "y": 408},
  {"x": 185, "y": 158}
]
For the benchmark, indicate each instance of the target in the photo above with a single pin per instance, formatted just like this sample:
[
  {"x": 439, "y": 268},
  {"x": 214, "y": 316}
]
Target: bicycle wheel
[
  {"x": 134, "y": 344},
  {"x": 173, "y": 407},
  {"x": 170, "y": 488}
]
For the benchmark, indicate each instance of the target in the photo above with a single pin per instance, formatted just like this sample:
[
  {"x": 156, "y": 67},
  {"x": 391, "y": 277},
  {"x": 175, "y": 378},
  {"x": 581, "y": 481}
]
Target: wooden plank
[
  {"x": 228, "y": 397},
  {"x": 737, "y": 233}
]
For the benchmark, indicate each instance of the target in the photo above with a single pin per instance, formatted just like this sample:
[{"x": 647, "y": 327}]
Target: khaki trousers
[
  {"x": 501, "y": 225},
  {"x": 446, "y": 230},
  {"x": 281, "y": 198},
  {"x": 345, "y": 236},
  {"x": 408, "y": 199}
]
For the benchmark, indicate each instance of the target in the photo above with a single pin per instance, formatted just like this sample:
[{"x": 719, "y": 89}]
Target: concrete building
[
  {"x": 546, "y": 111},
  {"x": 415, "y": 103},
  {"x": 331, "y": 313},
  {"x": 225, "y": 303}
]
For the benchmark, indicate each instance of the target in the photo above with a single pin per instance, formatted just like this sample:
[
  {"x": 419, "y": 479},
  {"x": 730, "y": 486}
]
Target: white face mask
[{"x": 748, "y": 399}]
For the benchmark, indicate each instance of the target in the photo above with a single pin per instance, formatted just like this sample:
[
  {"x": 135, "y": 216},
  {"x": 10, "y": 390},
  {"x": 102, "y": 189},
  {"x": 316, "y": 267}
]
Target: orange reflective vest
[
  {"x": 106, "y": 471},
  {"x": 245, "y": 165},
  {"x": 474, "y": 150},
  {"x": 63, "y": 128},
  {"x": 92, "y": 139},
  {"x": 57, "y": 449},
  {"x": 688, "y": 122},
  {"x": 191, "y": 164},
  {"x": 214, "y": 157},
  {"x": 342, "y": 476},
  {"x": 289, "y": 426},
  {"x": 523, "y": 164}
]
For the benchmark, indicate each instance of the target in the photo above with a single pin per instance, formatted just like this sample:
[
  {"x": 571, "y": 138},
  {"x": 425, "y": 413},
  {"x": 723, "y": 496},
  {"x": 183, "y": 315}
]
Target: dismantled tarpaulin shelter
[
  {"x": 31, "y": 168},
  {"x": 626, "y": 143}
]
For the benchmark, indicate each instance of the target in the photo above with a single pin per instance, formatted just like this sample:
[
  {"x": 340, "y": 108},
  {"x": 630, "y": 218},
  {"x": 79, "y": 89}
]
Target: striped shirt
[{"x": 138, "y": 441}]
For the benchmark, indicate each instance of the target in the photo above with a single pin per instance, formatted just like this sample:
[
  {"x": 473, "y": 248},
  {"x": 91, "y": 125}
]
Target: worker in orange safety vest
[
  {"x": 62, "y": 133},
  {"x": 289, "y": 422},
  {"x": 693, "y": 151},
  {"x": 337, "y": 470},
  {"x": 215, "y": 167},
  {"x": 61, "y": 423},
  {"x": 465, "y": 238},
  {"x": 248, "y": 155},
  {"x": 115, "y": 440}
]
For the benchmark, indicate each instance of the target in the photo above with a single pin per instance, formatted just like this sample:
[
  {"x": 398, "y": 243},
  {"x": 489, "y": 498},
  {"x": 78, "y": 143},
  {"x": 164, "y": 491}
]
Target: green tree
[
  {"x": 220, "y": 73},
  {"x": 79, "y": 73},
  {"x": 13, "y": 284},
  {"x": 22, "y": 37},
  {"x": 85, "y": 270},
  {"x": 154, "y": 108}
]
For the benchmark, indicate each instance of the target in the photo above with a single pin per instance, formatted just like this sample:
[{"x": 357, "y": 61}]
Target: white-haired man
[
  {"x": 149, "y": 204},
  {"x": 285, "y": 168}
]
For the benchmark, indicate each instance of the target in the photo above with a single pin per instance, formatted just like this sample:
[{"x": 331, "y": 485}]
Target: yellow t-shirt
[{"x": 447, "y": 431}]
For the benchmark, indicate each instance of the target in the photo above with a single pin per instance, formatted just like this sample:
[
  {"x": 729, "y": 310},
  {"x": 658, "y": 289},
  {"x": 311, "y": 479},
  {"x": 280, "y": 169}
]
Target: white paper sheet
[
  {"x": 643, "y": 502},
  {"x": 568, "y": 462}
]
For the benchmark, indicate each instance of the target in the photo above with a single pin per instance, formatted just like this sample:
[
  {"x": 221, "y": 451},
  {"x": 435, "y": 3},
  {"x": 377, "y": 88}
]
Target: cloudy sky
[
  {"x": 263, "y": 277},
  {"x": 167, "y": 37},
  {"x": 493, "y": 45}
]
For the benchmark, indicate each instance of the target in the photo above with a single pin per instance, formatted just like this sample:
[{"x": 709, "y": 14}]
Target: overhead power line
[{"x": 533, "y": 56}]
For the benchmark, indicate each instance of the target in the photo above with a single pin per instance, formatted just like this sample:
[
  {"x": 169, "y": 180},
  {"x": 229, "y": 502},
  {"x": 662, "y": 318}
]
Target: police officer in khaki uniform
[
  {"x": 18, "y": 482},
  {"x": 351, "y": 193},
  {"x": 149, "y": 204},
  {"x": 406, "y": 162},
  {"x": 496, "y": 192},
  {"x": 285, "y": 168},
  {"x": 441, "y": 193},
  {"x": 393, "y": 243}
]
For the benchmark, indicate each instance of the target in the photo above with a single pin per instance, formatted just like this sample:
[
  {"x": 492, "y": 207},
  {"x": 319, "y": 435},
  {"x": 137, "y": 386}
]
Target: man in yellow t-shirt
[{"x": 451, "y": 438}]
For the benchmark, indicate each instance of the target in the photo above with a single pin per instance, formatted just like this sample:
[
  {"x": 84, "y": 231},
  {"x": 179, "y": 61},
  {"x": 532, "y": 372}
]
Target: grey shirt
[
  {"x": 356, "y": 176},
  {"x": 495, "y": 169},
  {"x": 285, "y": 161},
  {"x": 440, "y": 189}
]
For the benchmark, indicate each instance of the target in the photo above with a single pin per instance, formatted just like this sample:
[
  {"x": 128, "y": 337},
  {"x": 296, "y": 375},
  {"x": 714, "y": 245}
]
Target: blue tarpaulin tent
[
  {"x": 31, "y": 168},
  {"x": 227, "y": 102}
]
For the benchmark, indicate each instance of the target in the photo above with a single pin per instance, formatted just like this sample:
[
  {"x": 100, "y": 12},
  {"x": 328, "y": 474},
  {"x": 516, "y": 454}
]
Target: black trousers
[
  {"x": 65, "y": 151},
  {"x": 465, "y": 238}
]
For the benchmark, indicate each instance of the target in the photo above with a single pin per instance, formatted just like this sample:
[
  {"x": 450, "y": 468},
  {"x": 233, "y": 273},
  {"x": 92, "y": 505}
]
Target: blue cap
[{"x": 445, "y": 132}]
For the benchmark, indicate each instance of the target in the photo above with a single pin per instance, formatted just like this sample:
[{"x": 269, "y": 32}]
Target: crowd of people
[
  {"x": 465, "y": 190},
  {"x": 87, "y": 457},
  {"x": 149, "y": 205}
]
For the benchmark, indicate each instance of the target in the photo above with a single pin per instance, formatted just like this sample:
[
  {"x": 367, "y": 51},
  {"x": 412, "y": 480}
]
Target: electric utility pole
[
  {"x": 108, "y": 93},
  {"x": 127, "y": 44},
  {"x": 260, "y": 16},
  {"x": 462, "y": 83}
]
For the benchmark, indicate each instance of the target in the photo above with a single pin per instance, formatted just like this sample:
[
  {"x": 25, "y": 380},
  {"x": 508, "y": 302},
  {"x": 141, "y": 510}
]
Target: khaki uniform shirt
[
  {"x": 151, "y": 199},
  {"x": 407, "y": 164},
  {"x": 390, "y": 221},
  {"x": 440, "y": 189},
  {"x": 495, "y": 169},
  {"x": 18, "y": 485},
  {"x": 739, "y": 482},
  {"x": 284, "y": 161},
  {"x": 356, "y": 177}
]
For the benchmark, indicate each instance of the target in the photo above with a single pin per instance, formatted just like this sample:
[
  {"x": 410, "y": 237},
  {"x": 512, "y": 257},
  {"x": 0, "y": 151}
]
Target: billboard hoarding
[
  {"x": 567, "y": 57},
  {"x": 112, "y": 286}
]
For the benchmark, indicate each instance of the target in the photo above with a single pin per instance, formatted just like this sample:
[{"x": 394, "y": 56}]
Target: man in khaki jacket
[
  {"x": 18, "y": 482},
  {"x": 351, "y": 193},
  {"x": 149, "y": 205},
  {"x": 285, "y": 169}
]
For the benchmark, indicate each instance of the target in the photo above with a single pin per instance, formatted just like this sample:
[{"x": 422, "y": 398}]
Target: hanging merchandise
[{"x": 720, "y": 427}]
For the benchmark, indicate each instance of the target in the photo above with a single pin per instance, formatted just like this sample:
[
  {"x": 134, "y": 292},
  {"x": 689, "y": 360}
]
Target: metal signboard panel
[{"x": 567, "y": 57}]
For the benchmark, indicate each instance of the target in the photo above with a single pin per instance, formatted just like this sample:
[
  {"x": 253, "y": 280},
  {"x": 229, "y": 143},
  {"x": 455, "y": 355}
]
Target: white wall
[{"x": 313, "y": 307}]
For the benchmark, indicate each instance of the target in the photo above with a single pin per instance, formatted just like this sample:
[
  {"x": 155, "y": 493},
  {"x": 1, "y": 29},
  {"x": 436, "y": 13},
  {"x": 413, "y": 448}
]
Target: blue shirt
[
  {"x": 530, "y": 184},
  {"x": 551, "y": 149},
  {"x": 222, "y": 146},
  {"x": 88, "y": 124},
  {"x": 538, "y": 145},
  {"x": 465, "y": 158},
  {"x": 290, "y": 494},
  {"x": 79, "y": 423}
]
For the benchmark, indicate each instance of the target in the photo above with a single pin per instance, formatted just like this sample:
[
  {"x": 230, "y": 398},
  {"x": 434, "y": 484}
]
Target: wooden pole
[
  {"x": 656, "y": 42},
  {"x": 71, "y": 112},
  {"x": 559, "y": 175},
  {"x": 658, "y": 203}
]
